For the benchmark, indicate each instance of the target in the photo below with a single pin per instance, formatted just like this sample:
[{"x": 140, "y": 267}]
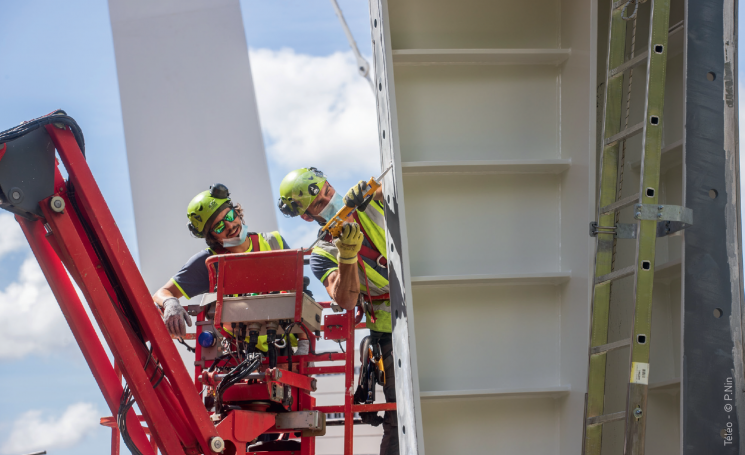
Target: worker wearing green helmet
[
  {"x": 348, "y": 264},
  {"x": 213, "y": 217}
]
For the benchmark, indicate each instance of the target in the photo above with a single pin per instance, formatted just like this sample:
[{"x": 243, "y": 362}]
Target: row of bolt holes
[{"x": 380, "y": 88}]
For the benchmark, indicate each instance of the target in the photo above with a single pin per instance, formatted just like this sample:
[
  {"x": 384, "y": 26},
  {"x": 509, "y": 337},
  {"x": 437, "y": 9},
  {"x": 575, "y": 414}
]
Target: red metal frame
[{"x": 175, "y": 416}]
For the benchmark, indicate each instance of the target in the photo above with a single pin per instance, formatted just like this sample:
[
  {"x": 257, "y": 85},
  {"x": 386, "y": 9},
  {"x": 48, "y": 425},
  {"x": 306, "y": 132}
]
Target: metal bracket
[
  {"x": 663, "y": 213},
  {"x": 301, "y": 420},
  {"x": 628, "y": 230}
]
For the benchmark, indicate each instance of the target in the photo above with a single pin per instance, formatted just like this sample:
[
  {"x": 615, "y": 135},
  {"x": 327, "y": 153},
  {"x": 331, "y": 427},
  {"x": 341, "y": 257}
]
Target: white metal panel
[
  {"x": 190, "y": 120},
  {"x": 465, "y": 24},
  {"x": 478, "y": 112},
  {"x": 491, "y": 426},
  {"x": 507, "y": 337},
  {"x": 471, "y": 106},
  {"x": 578, "y": 107},
  {"x": 483, "y": 224}
]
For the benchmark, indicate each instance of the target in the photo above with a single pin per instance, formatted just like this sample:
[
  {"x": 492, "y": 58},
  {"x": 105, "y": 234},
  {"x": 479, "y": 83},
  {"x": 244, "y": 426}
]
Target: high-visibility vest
[
  {"x": 268, "y": 241},
  {"x": 372, "y": 222}
]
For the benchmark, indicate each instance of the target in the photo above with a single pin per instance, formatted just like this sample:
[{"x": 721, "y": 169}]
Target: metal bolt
[
  {"x": 57, "y": 204},
  {"x": 16, "y": 195},
  {"x": 217, "y": 444},
  {"x": 659, "y": 215},
  {"x": 660, "y": 207},
  {"x": 638, "y": 215},
  {"x": 638, "y": 413}
]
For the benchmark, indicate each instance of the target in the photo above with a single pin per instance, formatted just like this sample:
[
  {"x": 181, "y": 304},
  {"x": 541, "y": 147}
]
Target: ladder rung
[
  {"x": 641, "y": 57},
  {"x": 625, "y": 134},
  {"x": 619, "y": 204},
  {"x": 629, "y": 64},
  {"x": 610, "y": 346},
  {"x": 616, "y": 274},
  {"x": 605, "y": 418}
]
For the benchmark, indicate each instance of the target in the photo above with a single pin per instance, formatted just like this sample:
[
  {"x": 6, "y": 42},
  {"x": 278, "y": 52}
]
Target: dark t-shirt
[{"x": 194, "y": 279}]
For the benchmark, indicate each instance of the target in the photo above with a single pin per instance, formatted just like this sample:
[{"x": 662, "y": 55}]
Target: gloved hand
[
  {"x": 371, "y": 418},
  {"x": 349, "y": 243},
  {"x": 174, "y": 315},
  {"x": 303, "y": 347},
  {"x": 355, "y": 197}
]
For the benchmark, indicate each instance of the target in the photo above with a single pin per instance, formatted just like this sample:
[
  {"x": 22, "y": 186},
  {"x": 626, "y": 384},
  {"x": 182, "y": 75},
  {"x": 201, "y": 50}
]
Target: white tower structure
[{"x": 190, "y": 120}]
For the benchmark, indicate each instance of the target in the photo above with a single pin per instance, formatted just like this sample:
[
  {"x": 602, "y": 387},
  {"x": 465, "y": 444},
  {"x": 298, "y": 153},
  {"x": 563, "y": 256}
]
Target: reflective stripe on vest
[
  {"x": 372, "y": 221},
  {"x": 268, "y": 241}
]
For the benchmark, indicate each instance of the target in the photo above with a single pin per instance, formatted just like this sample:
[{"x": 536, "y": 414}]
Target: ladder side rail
[
  {"x": 102, "y": 222},
  {"x": 82, "y": 329},
  {"x": 604, "y": 245},
  {"x": 636, "y": 405}
]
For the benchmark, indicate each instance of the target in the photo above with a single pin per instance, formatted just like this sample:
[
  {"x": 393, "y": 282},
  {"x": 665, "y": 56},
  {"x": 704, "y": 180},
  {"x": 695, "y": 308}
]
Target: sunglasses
[{"x": 220, "y": 226}]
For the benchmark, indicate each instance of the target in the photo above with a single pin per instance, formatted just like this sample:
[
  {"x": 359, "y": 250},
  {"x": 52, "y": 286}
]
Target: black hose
[
  {"x": 127, "y": 401},
  {"x": 58, "y": 116},
  {"x": 243, "y": 369}
]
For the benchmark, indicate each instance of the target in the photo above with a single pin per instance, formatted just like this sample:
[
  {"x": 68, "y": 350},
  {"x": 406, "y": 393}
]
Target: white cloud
[
  {"x": 12, "y": 238},
  {"x": 316, "y": 111},
  {"x": 30, "y": 318},
  {"x": 34, "y": 431}
]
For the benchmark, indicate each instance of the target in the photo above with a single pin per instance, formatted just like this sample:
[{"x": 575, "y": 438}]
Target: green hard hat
[
  {"x": 299, "y": 189},
  {"x": 204, "y": 206}
]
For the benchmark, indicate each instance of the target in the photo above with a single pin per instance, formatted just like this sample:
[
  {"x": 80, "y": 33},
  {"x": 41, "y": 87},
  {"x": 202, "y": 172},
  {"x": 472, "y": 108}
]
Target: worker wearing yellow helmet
[
  {"x": 213, "y": 217},
  {"x": 353, "y": 268}
]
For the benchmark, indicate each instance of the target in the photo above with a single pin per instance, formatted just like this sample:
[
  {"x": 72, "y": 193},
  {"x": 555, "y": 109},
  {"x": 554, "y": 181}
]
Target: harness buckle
[{"x": 380, "y": 264}]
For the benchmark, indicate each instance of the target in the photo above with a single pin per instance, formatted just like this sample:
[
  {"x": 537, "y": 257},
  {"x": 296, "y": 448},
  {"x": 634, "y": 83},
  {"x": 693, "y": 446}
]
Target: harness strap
[
  {"x": 367, "y": 285},
  {"x": 255, "y": 245},
  {"x": 367, "y": 251}
]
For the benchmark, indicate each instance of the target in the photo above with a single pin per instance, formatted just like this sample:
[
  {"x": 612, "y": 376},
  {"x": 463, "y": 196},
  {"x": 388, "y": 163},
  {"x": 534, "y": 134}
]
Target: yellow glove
[{"x": 349, "y": 243}]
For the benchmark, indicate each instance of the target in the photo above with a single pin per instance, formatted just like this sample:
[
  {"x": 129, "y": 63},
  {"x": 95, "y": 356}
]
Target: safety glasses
[{"x": 220, "y": 226}]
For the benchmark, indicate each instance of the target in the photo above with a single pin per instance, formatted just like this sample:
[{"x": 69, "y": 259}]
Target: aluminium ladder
[{"x": 652, "y": 220}]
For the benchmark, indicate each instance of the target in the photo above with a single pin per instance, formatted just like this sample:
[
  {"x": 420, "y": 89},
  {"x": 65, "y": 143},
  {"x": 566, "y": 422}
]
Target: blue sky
[{"x": 60, "y": 55}]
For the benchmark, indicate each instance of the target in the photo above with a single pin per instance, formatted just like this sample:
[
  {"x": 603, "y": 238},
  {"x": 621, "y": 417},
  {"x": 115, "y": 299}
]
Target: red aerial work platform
[{"x": 237, "y": 395}]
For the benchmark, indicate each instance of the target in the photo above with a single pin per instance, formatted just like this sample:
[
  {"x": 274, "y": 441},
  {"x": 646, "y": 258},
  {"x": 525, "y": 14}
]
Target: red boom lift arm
[{"x": 73, "y": 234}]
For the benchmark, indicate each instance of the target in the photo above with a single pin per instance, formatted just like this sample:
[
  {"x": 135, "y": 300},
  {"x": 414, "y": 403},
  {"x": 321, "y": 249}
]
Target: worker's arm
[
  {"x": 175, "y": 316},
  {"x": 168, "y": 291},
  {"x": 378, "y": 196},
  {"x": 343, "y": 286}
]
